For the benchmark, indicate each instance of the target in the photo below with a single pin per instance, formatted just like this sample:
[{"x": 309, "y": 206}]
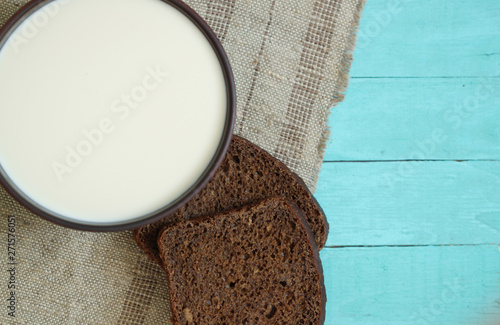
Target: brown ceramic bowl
[{"x": 170, "y": 207}]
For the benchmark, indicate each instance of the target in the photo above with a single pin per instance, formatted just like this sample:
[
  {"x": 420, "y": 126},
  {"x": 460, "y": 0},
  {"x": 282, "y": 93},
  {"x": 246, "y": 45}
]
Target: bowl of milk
[{"x": 113, "y": 113}]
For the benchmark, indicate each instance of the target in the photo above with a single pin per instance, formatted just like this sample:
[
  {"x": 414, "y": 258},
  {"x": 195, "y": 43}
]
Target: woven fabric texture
[{"x": 290, "y": 60}]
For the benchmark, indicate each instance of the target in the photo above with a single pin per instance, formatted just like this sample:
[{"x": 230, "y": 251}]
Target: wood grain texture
[
  {"x": 404, "y": 118},
  {"x": 413, "y": 285},
  {"x": 428, "y": 38},
  {"x": 411, "y": 203}
]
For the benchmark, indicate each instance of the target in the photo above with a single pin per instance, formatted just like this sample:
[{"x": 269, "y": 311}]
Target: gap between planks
[
  {"x": 409, "y": 246},
  {"x": 410, "y": 160},
  {"x": 423, "y": 77}
]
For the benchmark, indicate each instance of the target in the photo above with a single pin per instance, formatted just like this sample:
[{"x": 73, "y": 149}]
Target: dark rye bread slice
[
  {"x": 256, "y": 265},
  {"x": 247, "y": 174}
]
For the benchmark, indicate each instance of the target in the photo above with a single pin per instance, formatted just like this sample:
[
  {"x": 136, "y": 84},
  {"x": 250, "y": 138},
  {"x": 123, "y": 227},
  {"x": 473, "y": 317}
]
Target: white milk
[{"x": 109, "y": 109}]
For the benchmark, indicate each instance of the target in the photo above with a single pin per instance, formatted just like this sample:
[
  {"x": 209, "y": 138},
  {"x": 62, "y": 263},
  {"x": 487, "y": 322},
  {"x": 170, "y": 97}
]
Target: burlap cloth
[{"x": 290, "y": 59}]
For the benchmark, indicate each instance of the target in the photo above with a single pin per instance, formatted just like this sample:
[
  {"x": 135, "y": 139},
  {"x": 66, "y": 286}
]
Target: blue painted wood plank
[
  {"x": 399, "y": 119},
  {"x": 411, "y": 203},
  {"x": 413, "y": 285},
  {"x": 433, "y": 45},
  {"x": 429, "y": 38}
]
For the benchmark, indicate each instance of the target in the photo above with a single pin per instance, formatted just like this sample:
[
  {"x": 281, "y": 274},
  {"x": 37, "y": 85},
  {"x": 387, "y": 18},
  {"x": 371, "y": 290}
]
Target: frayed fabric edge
[{"x": 340, "y": 86}]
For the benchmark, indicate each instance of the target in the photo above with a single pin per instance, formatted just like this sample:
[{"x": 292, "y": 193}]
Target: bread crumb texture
[{"x": 251, "y": 266}]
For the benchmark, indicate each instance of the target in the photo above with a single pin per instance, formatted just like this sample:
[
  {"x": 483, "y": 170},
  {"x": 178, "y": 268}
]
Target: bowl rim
[{"x": 33, "y": 6}]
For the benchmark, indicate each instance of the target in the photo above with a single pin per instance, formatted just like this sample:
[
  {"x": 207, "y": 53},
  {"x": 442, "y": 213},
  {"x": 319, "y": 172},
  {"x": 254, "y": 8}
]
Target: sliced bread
[
  {"x": 248, "y": 174},
  {"x": 256, "y": 265}
]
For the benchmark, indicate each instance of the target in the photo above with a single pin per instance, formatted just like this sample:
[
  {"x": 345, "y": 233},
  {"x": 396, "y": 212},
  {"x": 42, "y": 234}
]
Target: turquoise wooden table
[{"x": 411, "y": 180}]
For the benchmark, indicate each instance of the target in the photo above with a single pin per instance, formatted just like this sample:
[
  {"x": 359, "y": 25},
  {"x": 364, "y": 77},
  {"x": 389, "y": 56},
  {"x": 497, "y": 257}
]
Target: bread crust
[{"x": 319, "y": 265}]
